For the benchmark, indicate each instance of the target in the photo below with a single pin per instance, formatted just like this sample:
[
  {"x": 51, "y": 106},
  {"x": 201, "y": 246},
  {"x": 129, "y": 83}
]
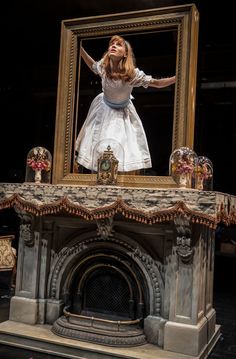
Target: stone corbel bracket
[
  {"x": 105, "y": 228},
  {"x": 26, "y": 228},
  {"x": 183, "y": 240}
]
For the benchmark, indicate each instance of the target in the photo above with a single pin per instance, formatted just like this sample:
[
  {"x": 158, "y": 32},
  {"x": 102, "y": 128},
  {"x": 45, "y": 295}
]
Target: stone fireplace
[
  {"x": 104, "y": 279},
  {"x": 118, "y": 268},
  {"x": 108, "y": 285}
]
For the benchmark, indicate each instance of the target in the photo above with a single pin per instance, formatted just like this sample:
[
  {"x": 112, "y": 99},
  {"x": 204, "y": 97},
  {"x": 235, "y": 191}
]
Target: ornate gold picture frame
[{"x": 184, "y": 21}]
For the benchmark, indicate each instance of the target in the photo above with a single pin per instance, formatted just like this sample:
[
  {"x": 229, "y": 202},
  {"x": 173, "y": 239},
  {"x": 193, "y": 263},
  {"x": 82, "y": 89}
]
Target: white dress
[{"x": 113, "y": 121}]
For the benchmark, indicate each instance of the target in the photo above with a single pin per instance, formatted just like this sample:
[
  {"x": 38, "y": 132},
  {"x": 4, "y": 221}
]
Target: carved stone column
[
  {"x": 24, "y": 305},
  {"x": 188, "y": 330}
]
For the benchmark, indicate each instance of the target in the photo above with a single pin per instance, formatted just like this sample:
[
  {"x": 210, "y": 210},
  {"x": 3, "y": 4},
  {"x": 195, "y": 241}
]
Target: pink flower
[
  {"x": 203, "y": 171},
  {"x": 184, "y": 166},
  {"x": 39, "y": 161}
]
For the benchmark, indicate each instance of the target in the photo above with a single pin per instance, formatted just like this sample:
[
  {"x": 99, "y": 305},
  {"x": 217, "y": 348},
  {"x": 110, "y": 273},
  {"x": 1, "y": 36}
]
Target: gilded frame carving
[{"x": 185, "y": 20}]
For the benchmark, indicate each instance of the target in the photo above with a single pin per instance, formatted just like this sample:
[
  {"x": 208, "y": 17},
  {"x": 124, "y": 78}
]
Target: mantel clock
[{"x": 107, "y": 168}]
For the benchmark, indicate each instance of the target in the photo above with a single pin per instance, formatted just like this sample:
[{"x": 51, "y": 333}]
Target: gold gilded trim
[{"x": 182, "y": 19}]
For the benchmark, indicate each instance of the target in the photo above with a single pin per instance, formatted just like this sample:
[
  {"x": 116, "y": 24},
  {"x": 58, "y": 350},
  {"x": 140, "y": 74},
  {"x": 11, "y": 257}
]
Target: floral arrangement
[
  {"x": 203, "y": 171},
  {"x": 39, "y": 160},
  {"x": 183, "y": 166}
]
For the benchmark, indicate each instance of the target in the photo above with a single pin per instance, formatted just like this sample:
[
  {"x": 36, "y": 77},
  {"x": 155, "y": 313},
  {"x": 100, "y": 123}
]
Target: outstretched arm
[
  {"x": 162, "y": 82},
  {"x": 87, "y": 58}
]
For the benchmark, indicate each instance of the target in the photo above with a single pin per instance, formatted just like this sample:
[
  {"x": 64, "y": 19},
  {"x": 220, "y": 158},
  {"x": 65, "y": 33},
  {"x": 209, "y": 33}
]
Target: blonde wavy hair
[{"x": 127, "y": 64}]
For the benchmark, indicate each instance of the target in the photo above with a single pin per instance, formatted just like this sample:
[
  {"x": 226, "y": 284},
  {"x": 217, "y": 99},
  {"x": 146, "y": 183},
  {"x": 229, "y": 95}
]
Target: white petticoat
[{"x": 121, "y": 129}]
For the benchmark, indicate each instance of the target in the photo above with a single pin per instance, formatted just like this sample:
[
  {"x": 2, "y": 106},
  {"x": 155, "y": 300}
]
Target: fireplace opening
[
  {"x": 107, "y": 301},
  {"x": 107, "y": 287},
  {"x": 106, "y": 294}
]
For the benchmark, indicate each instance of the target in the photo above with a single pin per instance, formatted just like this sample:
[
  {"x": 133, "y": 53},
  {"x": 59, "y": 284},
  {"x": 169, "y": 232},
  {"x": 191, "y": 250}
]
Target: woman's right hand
[{"x": 87, "y": 58}]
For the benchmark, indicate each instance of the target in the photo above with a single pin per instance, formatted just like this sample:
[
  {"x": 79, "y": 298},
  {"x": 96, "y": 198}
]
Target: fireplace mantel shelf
[{"x": 143, "y": 205}]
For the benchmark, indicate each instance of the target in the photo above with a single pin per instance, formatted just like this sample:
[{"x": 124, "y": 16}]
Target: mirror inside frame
[{"x": 165, "y": 42}]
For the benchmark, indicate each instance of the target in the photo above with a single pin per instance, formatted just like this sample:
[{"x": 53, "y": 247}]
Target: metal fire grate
[{"x": 106, "y": 291}]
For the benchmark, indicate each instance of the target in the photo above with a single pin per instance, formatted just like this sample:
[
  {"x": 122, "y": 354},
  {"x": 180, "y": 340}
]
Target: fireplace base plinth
[
  {"x": 39, "y": 338},
  {"x": 103, "y": 334}
]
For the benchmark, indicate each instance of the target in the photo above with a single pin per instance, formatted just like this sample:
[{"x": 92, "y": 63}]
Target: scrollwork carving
[
  {"x": 183, "y": 240},
  {"x": 105, "y": 228},
  {"x": 26, "y": 228}
]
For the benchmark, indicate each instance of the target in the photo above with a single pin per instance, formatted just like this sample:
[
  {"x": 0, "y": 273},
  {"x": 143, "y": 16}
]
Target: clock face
[{"x": 105, "y": 165}]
